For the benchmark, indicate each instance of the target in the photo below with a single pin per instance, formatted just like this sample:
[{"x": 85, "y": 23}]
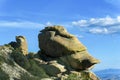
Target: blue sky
[{"x": 95, "y": 22}]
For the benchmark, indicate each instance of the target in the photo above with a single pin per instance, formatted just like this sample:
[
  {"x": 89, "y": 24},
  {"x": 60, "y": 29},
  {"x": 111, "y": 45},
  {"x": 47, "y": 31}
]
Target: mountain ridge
[{"x": 109, "y": 74}]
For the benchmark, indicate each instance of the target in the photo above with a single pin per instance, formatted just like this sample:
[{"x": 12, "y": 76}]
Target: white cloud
[
  {"x": 20, "y": 24},
  {"x": 48, "y": 24},
  {"x": 107, "y": 21},
  {"x": 100, "y": 31},
  {"x": 82, "y": 23},
  {"x": 78, "y": 36},
  {"x": 106, "y": 25}
]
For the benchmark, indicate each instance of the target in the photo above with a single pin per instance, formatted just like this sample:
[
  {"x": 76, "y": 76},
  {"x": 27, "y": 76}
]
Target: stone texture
[
  {"x": 22, "y": 44},
  {"x": 56, "y": 42},
  {"x": 53, "y": 68},
  {"x": 79, "y": 61}
]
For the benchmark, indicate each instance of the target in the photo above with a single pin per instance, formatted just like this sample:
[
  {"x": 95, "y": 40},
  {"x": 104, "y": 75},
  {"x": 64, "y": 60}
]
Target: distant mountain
[{"x": 109, "y": 74}]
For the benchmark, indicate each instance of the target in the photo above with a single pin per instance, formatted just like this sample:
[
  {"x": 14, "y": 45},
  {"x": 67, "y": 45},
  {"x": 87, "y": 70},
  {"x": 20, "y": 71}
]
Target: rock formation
[
  {"x": 56, "y": 44},
  {"x": 22, "y": 43},
  {"x": 61, "y": 57}
]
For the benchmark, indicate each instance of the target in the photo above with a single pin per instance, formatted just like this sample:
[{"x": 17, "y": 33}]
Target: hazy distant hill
[{"x": 109, "y": 74}]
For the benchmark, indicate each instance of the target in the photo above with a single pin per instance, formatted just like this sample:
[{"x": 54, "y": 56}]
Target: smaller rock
[
  {"x": 53, "y": 68},
  {"x": 46, "y": 79},
  {"x": 79, "y": 61},
  {"x": 22, "y": 44}
]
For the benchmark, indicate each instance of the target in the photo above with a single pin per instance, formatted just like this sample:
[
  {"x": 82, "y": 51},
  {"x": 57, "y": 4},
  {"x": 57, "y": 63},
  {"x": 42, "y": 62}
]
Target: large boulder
[{"x": 55, "y": 42}]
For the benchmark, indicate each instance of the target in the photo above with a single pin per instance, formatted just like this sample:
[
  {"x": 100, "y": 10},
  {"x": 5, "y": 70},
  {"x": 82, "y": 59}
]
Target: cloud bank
[
  {"x": 21, "y": 24},
  {"x": 106, "y": 25}
]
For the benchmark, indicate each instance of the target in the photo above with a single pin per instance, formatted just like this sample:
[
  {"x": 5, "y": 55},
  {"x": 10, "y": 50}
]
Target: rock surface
[
  {"x": 53, "y": 68},
  {"x": 56, "y": 42},
  {"x": 22, "y": 44}
]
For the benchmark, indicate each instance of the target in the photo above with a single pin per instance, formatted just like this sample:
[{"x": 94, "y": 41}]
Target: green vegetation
[
  {"x": 83, "y": 76},
  {"x": 6, "y": 60},
  {"x": 13, "y": 44},
  {"x": 36, "y": 70},
  {"x": 1, "y": 59},
  {"x": 3, "y": 75},
  {"x": 73, "y": 77},
  {"x": 30, "y": 55},
  {"x": 28, "y": 77},
  {"x": 20, "y": 59},
  {"x": 28, "y": 63}
]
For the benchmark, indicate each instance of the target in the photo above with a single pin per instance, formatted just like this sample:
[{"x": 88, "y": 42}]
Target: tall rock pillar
[{"x": 22, "y": 43}]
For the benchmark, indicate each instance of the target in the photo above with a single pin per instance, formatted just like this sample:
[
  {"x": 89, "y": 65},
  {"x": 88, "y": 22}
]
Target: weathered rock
[
  {"x": 53, "y": 68},
  {"x": 56, "y": 42},
  {"x": 79, "y": 61},
  {"x": 22, "y": 44}
]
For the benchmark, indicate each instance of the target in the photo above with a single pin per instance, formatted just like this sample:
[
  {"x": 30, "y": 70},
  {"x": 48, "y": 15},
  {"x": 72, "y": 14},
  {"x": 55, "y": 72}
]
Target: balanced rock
[
  {"x": 56, "y": 42},
  {"x": 22, "y": 44}
]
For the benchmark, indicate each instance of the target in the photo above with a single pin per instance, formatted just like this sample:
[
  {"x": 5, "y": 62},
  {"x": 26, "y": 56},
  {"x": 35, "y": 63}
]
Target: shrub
[
  {"x": 4, "y": 59},
  {"x": 14, "y": 45},
  {"x": 28, "y": 77},
  {"x": 73, "y": 77},
  {"x": 3, "y": 75},
  {"x": 20, "y": 59},
  {"x": 30, "y": 55},
  {"x": 28, "y": 63},
  {"x": 36, "y": 70}
]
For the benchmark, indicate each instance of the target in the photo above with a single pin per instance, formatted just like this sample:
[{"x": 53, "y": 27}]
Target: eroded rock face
[
  {"x": 56, "y": 42},
  {"x": 22, "y": 44}
]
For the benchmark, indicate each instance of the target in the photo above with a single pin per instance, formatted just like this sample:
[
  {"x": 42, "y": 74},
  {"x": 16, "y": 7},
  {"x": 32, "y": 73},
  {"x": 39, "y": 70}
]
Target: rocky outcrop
[
  {"x": 61, "y": 57},
  {"x": 22, "y": 43},
  {"x": 56, "y": 44},
  {"x": 12, "y": 70}
]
